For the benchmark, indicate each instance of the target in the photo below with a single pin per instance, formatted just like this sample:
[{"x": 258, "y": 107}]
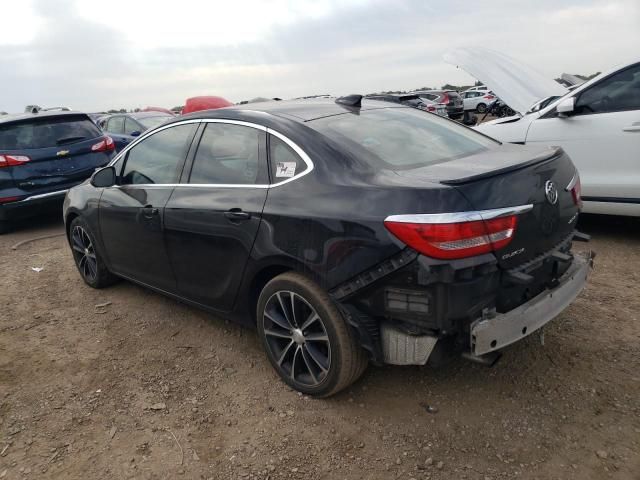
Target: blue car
[
  {"x": 125, "y": 127},
  {"x": 44, "y": 154}
]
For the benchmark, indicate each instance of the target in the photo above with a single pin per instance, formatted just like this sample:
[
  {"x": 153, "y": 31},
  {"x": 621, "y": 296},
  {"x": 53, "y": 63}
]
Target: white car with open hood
[{"x": 597, "y": 124}]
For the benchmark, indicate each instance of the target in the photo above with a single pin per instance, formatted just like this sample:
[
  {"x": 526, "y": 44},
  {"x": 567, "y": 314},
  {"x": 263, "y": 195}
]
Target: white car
[
  {"x": 477, "y": 100},
  {"x": 479, "y": 88},
  {"x": 597, "y": 123}
]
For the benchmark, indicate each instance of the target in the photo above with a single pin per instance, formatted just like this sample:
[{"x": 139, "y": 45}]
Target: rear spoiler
[{"x": 551, "y": 154}]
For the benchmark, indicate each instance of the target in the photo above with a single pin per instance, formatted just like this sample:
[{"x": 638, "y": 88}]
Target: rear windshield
[
  {"x": 47, "y": 132},
  {"x": 401, "y": 138},
  {"x": 150, "y": 122}
]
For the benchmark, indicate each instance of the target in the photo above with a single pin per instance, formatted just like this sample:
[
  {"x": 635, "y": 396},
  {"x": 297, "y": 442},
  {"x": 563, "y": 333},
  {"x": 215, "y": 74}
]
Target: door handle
[
  {"x": 150, "y": 212},
  {"x": 236, "y": 214},
  {"x": 634, "y": 127}
]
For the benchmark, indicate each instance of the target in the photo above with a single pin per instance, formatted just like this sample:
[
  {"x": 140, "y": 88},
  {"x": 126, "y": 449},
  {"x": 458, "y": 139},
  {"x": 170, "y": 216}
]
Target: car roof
[
  {"x": 152, "y": 113},
  {"x": 298, "y": 110},
  {"x": 17, "y": 117}
]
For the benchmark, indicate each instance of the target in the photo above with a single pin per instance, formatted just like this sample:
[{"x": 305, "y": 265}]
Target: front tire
[
  {"x": 88, "y": 259},
  {"x": 306, "y": 337}
]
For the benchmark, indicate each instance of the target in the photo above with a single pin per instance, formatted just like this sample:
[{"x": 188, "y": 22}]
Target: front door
[
  {"x": 212, "y": 218},
  {"x": 132, "y": 212},
  {"x": 602, "y": 137}
]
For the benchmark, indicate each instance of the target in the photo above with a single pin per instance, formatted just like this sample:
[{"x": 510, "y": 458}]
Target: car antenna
[{"x": 353, "y": 100}]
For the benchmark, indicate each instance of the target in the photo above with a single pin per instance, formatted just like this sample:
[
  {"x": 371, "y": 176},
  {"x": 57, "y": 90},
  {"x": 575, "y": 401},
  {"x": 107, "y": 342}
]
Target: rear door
[
  {"x": 131, "y": 214},
  {"x": 602, "y": 137},
  {"x": 61, "y": 151},
  {"x": 213, "y": 217}
]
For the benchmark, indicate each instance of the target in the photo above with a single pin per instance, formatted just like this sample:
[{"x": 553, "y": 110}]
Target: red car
[{"x": 195, "y": 104}]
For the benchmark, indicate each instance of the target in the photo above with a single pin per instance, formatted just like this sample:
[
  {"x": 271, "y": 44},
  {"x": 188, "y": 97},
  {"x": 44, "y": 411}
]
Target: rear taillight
[
  {"x": 13, "y": 160},
  {"x": 489, "y": 97},
  {"x": 106, "y": 145},
  {"x": 453, "y": 240},
  {"x": 445, "y": 98},
  {"x": 431, "y": 108},
  {"x": 9, "y": 199},
  {"x": 576, "y": 190}
]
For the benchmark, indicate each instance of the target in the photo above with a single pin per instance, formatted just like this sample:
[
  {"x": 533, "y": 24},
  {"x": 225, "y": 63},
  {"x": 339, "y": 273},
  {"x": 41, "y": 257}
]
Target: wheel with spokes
[
  {"x": 306, "y": 337},
  {"x": 87, "y": 258}
]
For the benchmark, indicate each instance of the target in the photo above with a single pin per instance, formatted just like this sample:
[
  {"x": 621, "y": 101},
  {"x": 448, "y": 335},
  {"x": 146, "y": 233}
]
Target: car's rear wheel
[
  {"x": 88, "y": 259},
  {"x": 481, "y": 108},
  {"x": 306, "y": 337}
]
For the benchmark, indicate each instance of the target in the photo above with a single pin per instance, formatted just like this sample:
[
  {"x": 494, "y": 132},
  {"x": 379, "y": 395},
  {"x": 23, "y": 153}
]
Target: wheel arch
[{"x": 264, "y": 274}]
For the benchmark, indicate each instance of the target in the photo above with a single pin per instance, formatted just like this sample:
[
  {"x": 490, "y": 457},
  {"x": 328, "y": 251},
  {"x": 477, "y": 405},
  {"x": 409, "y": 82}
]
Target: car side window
[
  {"x": 228, "y": 154},
  {"x": 159, "y": 157},
  {"x": 619, "y": 92},
  {"x": 115, "y": 125},
  {"x": 130, "y": 126},
  {"x": 285, "y": 162}
]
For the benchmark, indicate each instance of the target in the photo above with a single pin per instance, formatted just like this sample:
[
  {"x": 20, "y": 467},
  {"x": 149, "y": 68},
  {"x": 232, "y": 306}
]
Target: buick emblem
[{"x": 551, "y": 192}]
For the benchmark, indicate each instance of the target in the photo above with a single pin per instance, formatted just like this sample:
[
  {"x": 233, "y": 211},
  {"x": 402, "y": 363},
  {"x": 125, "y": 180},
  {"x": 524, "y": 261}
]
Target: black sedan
[{"x": 346, "y": 231}]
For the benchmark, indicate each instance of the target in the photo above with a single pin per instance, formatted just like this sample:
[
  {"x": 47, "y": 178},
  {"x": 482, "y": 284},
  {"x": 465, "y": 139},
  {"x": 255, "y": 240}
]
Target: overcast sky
[{"x": 94, "y": 55}]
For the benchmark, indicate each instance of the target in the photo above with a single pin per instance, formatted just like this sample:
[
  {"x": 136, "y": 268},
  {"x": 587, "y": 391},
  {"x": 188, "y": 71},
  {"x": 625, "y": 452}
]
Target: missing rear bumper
[{"x": 490, "y": 334}]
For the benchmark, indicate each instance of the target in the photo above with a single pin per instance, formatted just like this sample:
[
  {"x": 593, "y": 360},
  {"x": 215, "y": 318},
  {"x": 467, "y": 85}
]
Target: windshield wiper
[{"x": 62, "y": 141}]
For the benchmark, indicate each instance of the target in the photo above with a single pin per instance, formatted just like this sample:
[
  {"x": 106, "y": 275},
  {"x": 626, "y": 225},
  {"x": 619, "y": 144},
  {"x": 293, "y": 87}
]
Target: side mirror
[
  {"x": 566, "y": 106},
  {"x": 136, "y": 133},
  {"x": 105, "y": 177}
]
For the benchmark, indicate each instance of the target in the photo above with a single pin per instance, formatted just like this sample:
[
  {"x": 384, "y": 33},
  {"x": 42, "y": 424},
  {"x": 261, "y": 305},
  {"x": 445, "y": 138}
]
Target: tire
[
  {"x": 481, "y": 108},
  {"x": 310, "y": 346},
  {"x": 88, "y": 259}
]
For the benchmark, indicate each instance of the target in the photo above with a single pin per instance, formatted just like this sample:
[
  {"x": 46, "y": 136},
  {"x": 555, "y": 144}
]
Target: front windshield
[
  {"x": 150, "y": 122},
  {"x": 542, "y": 103}
]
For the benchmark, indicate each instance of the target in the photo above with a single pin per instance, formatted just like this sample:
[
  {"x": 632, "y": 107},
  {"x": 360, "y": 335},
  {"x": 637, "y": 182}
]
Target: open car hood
[{"x": 518, "y": 85}]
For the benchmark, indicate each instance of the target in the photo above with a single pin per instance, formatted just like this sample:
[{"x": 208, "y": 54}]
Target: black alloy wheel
[
  {"x": 87, "y": 258},
  {"x": 306, "y": 337},
  {"x": 297, "y": 338},
  {"x": 84, "y": 254}
]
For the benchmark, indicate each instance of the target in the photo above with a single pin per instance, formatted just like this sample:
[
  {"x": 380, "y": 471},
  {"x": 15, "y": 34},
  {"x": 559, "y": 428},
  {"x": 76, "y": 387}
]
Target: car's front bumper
[{"x": 489, "y": 334}]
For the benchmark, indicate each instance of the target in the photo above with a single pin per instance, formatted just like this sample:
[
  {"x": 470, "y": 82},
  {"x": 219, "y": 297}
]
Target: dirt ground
[{"x": 145, "y": 387}]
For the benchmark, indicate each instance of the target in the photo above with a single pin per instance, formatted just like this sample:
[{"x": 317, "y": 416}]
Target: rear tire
[
  {"x": 306, "y": 338},
  {"x": 87, "y": 257},
  {"x": 481, "y": 108}
]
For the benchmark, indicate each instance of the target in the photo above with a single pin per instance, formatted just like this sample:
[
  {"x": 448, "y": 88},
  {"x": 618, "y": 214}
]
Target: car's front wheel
[
  {"x": 306, "y": 337},
  {"x": 481, "y": 108},
  {"x": 88, "y": 259}
]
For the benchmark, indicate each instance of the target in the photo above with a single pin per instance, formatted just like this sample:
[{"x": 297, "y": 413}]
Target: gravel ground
[{"x": 145, "y": 387}]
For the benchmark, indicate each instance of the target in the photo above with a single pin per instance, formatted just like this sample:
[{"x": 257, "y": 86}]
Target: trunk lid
[
  {"x": 59, "y": 149},
  {"x": 510, "y": 176}
]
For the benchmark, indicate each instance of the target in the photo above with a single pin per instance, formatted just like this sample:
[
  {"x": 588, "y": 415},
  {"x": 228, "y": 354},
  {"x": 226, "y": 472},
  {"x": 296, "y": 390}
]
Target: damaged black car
[{"x": 347, "y": 231}]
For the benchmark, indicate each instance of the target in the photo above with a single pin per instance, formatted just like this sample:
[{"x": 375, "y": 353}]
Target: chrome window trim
[
  {"x": 303, "y": 155},
  {"x": 457, "y": 217},
  {"x": 147, "y": 134}
]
